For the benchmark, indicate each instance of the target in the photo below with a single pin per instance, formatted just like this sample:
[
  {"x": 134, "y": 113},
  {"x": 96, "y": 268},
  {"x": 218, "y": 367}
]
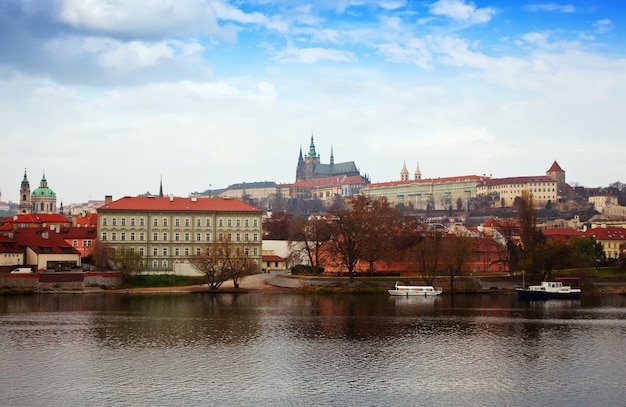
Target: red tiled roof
[
  {"x": 178, "y": 204},
  {"x": 331, "y": 181},
  {"x": 608, "y": 233},
  {"x": 555, "y": 167},
  {"x": 8, "y": 245},
  {"x": 79, "y": 232},
  {"x": 426, "y": 181},
  {"x": 39, "y": 218},
  {"x": 43, "y": 241},
  {"x": 515, "y": 180},
  {"x": 88, "y": 219},
  {"x": 271, "y": 257}
]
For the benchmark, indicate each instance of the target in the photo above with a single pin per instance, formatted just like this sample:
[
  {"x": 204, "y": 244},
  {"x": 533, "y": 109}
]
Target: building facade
[
  {"x": 429, "y": 193},
  {"x": 503, "y": 192},
  {"x": 166, "y": 231}
]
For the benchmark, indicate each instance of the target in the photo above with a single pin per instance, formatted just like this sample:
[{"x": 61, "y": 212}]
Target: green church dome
[{"x": 43, "y": 189}]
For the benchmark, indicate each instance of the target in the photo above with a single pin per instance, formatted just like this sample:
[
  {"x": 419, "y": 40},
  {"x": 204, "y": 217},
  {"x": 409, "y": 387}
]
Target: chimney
[{"x": 108, "y": 199}]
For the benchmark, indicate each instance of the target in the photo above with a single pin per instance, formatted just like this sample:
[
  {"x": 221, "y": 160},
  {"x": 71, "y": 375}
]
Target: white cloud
[
  {"x": 560, "y": 8},
  {"x": 312, "y": 55},
  {"x": 118, "y": 55},
  {"x": 463, "y": 12},
  {"x": 138, "y": 18},
  {"x": 603, "y": 26},
  {"x": 414, "y": 51}
]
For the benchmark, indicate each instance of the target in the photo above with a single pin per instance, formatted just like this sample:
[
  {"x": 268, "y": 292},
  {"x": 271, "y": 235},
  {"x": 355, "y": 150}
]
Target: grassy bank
[{"x": 161, "y": 280}]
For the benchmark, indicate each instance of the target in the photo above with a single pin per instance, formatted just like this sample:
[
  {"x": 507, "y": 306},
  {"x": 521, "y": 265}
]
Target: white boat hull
[{"x": 414, "y": 291}]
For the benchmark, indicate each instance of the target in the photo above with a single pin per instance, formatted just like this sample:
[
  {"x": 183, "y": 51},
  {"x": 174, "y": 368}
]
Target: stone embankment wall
[{"x": 65, "y": 281}]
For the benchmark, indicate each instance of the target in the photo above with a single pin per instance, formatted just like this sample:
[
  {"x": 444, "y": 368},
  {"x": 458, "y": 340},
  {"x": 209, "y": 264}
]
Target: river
[{"x": 275, "y": 349}]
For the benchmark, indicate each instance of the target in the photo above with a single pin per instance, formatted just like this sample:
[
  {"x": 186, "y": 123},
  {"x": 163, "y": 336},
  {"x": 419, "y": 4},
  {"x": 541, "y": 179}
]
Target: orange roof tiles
[{"x": 178, "y": 204}]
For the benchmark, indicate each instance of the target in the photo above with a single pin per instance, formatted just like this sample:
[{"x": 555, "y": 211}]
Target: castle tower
[
  {"x": 404, "y": 174},
  {"x": 556, "y": 173},
  {"x": 43, "y": 199},
  {"x": 25, "y": 205}
]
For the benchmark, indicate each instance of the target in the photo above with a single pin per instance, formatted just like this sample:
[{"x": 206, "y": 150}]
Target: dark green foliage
[{"x": 162, "y": 280}]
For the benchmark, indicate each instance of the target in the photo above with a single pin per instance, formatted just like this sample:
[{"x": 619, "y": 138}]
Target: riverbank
[{"x": 282, "y": 282}]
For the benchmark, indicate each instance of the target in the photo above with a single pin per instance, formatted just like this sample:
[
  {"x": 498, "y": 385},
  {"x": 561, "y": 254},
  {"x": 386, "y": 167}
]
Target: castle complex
[{"x": 310, "y": 167}]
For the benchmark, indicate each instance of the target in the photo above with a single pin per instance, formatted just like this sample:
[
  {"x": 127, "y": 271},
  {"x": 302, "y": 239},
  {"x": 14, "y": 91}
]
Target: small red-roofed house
[
  {"x": 613, "y": 240},
  {"x": 45, "y": 249},
  {"x": 11, "y": 254},
  {"x": 82, "y": 239}
]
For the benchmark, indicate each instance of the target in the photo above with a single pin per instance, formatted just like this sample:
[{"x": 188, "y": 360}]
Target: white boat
[
  {"x": 548, "y": 290},
  {"x": 414, "y": 290}
]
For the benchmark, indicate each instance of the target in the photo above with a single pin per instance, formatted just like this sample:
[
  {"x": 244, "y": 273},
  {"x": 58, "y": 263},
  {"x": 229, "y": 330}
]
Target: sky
[{"x": 109, "y": 97}]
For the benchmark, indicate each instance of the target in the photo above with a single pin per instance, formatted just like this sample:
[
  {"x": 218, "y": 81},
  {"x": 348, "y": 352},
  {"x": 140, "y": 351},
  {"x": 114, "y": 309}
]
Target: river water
[{"x": 269, "y": 349}]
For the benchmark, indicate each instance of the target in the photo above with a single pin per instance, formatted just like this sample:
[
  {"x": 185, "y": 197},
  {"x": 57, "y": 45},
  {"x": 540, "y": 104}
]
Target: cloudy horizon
[{"x": 109, "y": 96}]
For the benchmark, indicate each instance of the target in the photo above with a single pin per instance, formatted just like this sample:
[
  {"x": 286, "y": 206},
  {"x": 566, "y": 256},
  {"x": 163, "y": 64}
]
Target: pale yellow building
[
  {"x": 166, "y": 231},
  {"x": 503, "y": 192}
]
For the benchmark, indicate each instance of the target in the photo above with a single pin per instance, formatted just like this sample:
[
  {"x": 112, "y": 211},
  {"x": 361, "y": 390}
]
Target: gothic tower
[
  {"x": 310, "y": 161},
  {"x": 418, "y": 173},
  {"x": 300, "y": 167},
  {"x": 24, "y": 206}
]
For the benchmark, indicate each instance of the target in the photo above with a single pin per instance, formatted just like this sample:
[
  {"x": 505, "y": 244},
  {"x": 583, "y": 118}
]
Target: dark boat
[{"x": 548, "y": 290}]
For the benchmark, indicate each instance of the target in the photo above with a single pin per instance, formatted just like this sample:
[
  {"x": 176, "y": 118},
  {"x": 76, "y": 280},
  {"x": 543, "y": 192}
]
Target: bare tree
[
  {"x": 223, "y": 260},
  {"x": 427, "y": 256},
  {"x": 102, "y": 254},
  {"x": 352, "y": 232},
  {"x": 309, "y": 238},
  {"x": 457, "y": 250}
]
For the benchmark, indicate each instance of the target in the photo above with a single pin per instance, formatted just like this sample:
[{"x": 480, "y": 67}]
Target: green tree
[
  {"x": 126, "y": 261},
  {"x": 586, "y": 251}
]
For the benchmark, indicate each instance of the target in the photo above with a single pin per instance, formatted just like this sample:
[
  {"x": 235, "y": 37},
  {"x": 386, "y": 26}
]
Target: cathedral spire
[
  {"x": 332, "y": 156},
  {"x": 312, "y": 152},
  {"x": 418, "y": 173},
  {"x": 161, "y": 187}
]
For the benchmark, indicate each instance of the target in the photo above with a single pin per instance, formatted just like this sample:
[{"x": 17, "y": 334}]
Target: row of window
[
  {"x": 86, "y": 243},
  {"x": 238, "y": 237},
  {"x": 186, "y": 251},
  {"x": 177, "y": 222}
]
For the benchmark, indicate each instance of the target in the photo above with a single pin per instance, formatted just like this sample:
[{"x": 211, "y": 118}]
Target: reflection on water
[{"x": 284, "y": 350}]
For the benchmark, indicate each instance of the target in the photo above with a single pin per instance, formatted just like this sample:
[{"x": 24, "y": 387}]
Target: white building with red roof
[
  {"x": 612, "y": 239},
  {"x": 503, "y": 192},
  {"x": 166, "y": 231}
]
